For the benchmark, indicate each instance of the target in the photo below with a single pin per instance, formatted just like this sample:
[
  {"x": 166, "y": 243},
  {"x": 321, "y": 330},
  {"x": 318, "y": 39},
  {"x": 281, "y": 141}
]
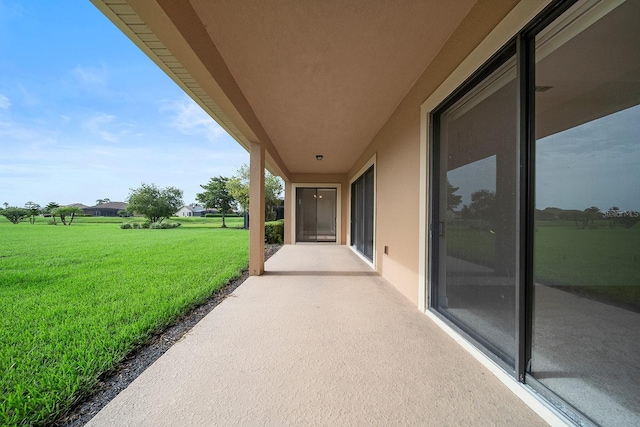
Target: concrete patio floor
[{"x": 320, "y": 339}]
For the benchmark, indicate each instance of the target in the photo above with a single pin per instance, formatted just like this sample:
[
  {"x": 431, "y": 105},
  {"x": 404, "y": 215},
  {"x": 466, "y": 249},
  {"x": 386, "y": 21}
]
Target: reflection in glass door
[
  {"x": 477, "y": 214},
  {"x": 316, "y": 214},
  {"x": 536, "y": 204},
  {"x": 586, "y": 340}
]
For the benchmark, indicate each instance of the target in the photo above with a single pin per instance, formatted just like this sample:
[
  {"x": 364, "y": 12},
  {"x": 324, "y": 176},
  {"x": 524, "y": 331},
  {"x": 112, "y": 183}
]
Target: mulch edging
[{"x": 140, "y": 359}]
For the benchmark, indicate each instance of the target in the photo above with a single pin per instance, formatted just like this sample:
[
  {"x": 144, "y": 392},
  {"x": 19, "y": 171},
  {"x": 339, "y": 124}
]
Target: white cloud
[
  {"x": 5, "y": 103},
  {"x": 20, "y": 135},
  {"x": 101, "y": 152},
  {"x": 104, "y": 126},
  {"x": 89, "y": 75},
  {"x": 29, "y": 97},
  {"x": 189, "y": 119}
]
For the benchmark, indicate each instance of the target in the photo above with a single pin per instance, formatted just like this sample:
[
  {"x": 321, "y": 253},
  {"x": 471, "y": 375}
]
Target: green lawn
[
  {"x": 75, "y": 300},
  {"x": 471, "y": 245},
  {"x": 602, "y": 263},
  {"x": 604, "y": 256}
]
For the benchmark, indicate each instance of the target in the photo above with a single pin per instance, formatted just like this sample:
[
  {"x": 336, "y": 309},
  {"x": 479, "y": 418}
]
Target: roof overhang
[{"x": 300, "y": 78}]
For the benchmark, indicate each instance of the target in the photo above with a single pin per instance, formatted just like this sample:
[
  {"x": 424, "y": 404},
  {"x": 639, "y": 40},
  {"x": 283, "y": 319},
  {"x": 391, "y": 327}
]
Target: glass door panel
[
  {"x": 316, "y": 212},
  {"x": 362, "y": 213},
  {"x": 326, "y": 215},
  {"x": 476, "y": 283},
  {"x": 586, "y": 340}
]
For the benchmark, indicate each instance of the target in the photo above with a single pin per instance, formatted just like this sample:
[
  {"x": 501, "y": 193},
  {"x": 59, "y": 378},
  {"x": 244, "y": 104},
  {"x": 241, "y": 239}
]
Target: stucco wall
[{"x": 397, "y": 147}]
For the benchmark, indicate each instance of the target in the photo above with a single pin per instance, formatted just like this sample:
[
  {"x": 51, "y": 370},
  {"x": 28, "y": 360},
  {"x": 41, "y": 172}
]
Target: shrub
[
  {"x": 164, "y": 225},
  {"x": 154, "y": 225},
  {"x": 274, "y": 232},
  {"x": 14, "y": 214}
]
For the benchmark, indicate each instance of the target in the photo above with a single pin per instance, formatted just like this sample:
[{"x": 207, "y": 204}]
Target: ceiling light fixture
[{"x": 319, "y": 157}]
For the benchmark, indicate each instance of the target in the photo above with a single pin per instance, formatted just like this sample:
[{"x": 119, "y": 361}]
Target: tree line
[
  {"x": 31, "y": 210},
  {"x": 156, "y": 204},
  {"x": 228, "y": 194},
  {"x": 484, "y": 206}
]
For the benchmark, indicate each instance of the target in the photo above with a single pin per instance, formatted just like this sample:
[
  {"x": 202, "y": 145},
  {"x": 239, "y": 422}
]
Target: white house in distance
[{"x": 194, "y": 210}]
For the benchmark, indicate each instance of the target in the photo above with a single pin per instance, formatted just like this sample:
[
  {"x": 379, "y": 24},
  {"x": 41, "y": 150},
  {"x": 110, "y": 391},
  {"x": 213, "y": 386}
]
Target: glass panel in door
[
  {"x": 326, "y": 215},
  {"x": 316, "y": 212},
  {"x": 586, "y": 339},
  {"x": 476, "y": 283},
  {"x": 362, "y": 213}
]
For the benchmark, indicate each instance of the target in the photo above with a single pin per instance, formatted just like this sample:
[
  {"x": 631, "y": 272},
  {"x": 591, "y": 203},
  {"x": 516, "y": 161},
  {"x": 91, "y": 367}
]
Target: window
[
  {"x": 362, "y": 206},
  {"x": 535, "y": 204}
]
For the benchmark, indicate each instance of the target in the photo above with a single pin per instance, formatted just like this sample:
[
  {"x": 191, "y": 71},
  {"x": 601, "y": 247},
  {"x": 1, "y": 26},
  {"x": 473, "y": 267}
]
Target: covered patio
[
  {"x": 319, "y": 339},
  {"x": 367, "y": 111}
]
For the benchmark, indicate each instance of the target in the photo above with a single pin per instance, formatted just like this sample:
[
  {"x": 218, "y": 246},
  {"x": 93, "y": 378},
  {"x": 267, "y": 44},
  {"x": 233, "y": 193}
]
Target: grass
[
  {"x": 602, "y": 263},
  {"x": 604, "y": 256},
  {"x": 471, "y": 245},
  {"x": 75, "y": 300}
]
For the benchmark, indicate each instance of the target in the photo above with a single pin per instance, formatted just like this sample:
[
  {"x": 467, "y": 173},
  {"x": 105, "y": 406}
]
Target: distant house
[
  {"x": 105, "y": 209},
  {"x": 195, "y": 210}
]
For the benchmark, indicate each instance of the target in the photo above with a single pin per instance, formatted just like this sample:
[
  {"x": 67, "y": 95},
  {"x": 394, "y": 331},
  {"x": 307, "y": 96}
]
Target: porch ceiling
[{"x": 303, "y": 78}]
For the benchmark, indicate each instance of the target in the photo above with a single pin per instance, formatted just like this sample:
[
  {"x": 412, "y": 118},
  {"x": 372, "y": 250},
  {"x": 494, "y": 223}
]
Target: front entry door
[{"x": 316, "y": 212}]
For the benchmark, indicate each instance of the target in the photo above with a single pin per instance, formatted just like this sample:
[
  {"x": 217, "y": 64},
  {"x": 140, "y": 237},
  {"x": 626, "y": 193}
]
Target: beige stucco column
[
  {"x": 287, "y": 212},
  {"x": 256, "y": 209}
]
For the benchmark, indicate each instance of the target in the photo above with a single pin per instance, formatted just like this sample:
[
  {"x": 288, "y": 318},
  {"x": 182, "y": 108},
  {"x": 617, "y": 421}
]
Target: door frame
[{"x": 293, "y": 210}]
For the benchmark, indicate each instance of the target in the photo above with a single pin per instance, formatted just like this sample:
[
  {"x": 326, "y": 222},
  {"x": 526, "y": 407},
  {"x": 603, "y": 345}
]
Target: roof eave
[{"x": 125, "y": 18}]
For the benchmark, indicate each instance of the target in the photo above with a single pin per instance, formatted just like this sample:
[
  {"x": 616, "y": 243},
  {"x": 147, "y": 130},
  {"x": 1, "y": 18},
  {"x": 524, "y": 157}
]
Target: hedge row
[{"x": 147, "y": 224}]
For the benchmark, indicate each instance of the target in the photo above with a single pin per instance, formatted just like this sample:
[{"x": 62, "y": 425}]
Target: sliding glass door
[
  {"x": 362, "y": 210},
  {"x": 536, "y": 204},
  {"x": 316, "y": 214}
]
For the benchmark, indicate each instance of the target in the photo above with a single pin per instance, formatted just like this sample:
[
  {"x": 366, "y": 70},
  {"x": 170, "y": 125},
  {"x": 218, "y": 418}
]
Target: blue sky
[
  {"x": 85, "y": 115},
  {"x": 594, "y": 164}
]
